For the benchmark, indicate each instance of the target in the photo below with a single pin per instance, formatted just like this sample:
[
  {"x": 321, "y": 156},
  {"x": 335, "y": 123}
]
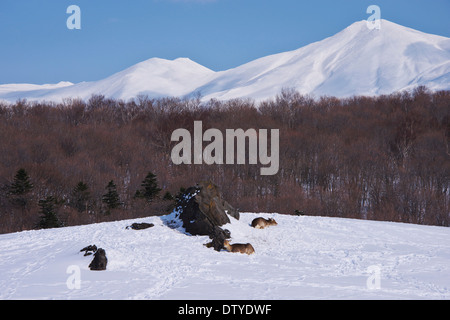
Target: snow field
[{"x": 301, "y": 258}]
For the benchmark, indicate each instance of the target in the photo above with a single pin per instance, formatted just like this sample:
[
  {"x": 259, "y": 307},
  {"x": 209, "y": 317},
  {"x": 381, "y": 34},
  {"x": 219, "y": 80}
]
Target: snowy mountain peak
[
  {"x": 162, "y": 67},
  {"x": 389, "y": 30},
  {"x": 153, "y": 77},
  {"x": 356, "y": 61},
  {"x": 165, "y": 63},
  {"x": 386, "y": 26}
]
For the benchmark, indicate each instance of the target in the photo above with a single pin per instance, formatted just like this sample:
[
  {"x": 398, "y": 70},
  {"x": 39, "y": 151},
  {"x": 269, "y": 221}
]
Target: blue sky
[{"x": 37, "y": 47}]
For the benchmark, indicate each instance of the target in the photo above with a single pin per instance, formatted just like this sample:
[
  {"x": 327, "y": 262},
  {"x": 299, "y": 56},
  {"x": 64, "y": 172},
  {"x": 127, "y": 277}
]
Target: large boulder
[
  {"x": 218, "y": 237},
  {"x": 100, "y": 261},
  {"x": 203, "y": 211}
]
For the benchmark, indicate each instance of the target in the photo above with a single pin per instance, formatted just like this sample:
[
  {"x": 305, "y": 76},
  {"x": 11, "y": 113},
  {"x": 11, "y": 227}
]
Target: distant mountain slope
[
  {"x": 355, "y": 61},
  {"x": 154, "y": 77},
  {"x": 300, "y": 258},
  {"x": 16, "y": 91}
]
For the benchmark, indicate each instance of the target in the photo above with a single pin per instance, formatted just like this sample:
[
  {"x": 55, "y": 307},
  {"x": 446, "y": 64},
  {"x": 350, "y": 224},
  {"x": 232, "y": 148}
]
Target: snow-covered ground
[{"x": 301, "y": 258}]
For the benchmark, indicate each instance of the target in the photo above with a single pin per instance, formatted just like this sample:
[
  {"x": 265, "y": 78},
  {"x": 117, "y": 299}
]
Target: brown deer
[
  {"x": 261, "y": 223},
  {"x": 239, "y": 248}
]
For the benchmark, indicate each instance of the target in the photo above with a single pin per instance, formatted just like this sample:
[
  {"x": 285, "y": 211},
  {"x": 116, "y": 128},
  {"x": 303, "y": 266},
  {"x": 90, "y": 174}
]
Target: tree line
[{"x": 78, "y": 162}]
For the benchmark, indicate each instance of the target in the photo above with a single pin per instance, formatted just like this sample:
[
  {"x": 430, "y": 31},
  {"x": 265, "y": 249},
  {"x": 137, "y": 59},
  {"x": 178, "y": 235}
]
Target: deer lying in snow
[
  {"x": 261, "y": 223},
  {"x": 239, "y": 247}
]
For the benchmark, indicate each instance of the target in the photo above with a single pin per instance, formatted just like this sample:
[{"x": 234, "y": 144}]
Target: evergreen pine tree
[
  {"x": 49, "y": 218},
  {"x": 111, "y": 197},
  {"x": 81, "y": 197},
  {"x": 149, "y": 188},
  {"x": 22, "y": 184},
  {"x": 168, "y": 196},
  {"x": 20, "y": 187}
]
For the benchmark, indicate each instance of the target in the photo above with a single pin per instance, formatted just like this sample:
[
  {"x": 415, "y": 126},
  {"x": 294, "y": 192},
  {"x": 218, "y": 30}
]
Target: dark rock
[
  {"x": 89, "y": 250},
  {"x": 202, "y": 209},
  {"x": 218, "y": 237},
  {"x": 100, "y": 261},
  {"x": 140, "y": 226}
]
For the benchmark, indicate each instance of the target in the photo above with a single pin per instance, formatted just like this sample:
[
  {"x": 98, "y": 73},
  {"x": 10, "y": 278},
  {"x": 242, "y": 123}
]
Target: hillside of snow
[
  {"x": 15, "y": 91},
  {"x": 355, "y": 61},
  {"x": 301, "y": 258},
  {"x": 154, "y": 77}
]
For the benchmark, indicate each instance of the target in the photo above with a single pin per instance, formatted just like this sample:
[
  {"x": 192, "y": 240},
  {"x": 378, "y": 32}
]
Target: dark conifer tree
[
  {"x": 111, "y": 197},
  {"x": 81, "y": 197},
  {"x": 49, "y": 218},
  {"x": 149, "y": 188},
  {"x": 20, "y": 187},
  {"x": 22, "y": 184}
]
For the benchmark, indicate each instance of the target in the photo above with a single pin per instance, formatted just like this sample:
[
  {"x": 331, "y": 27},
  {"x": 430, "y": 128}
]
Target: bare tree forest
[{"x": 380, "y": 158}]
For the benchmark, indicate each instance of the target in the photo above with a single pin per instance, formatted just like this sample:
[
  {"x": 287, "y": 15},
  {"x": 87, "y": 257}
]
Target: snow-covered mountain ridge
[
  {"x": 300, "y": 258},
  {"x": 355, "y": 61}
]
